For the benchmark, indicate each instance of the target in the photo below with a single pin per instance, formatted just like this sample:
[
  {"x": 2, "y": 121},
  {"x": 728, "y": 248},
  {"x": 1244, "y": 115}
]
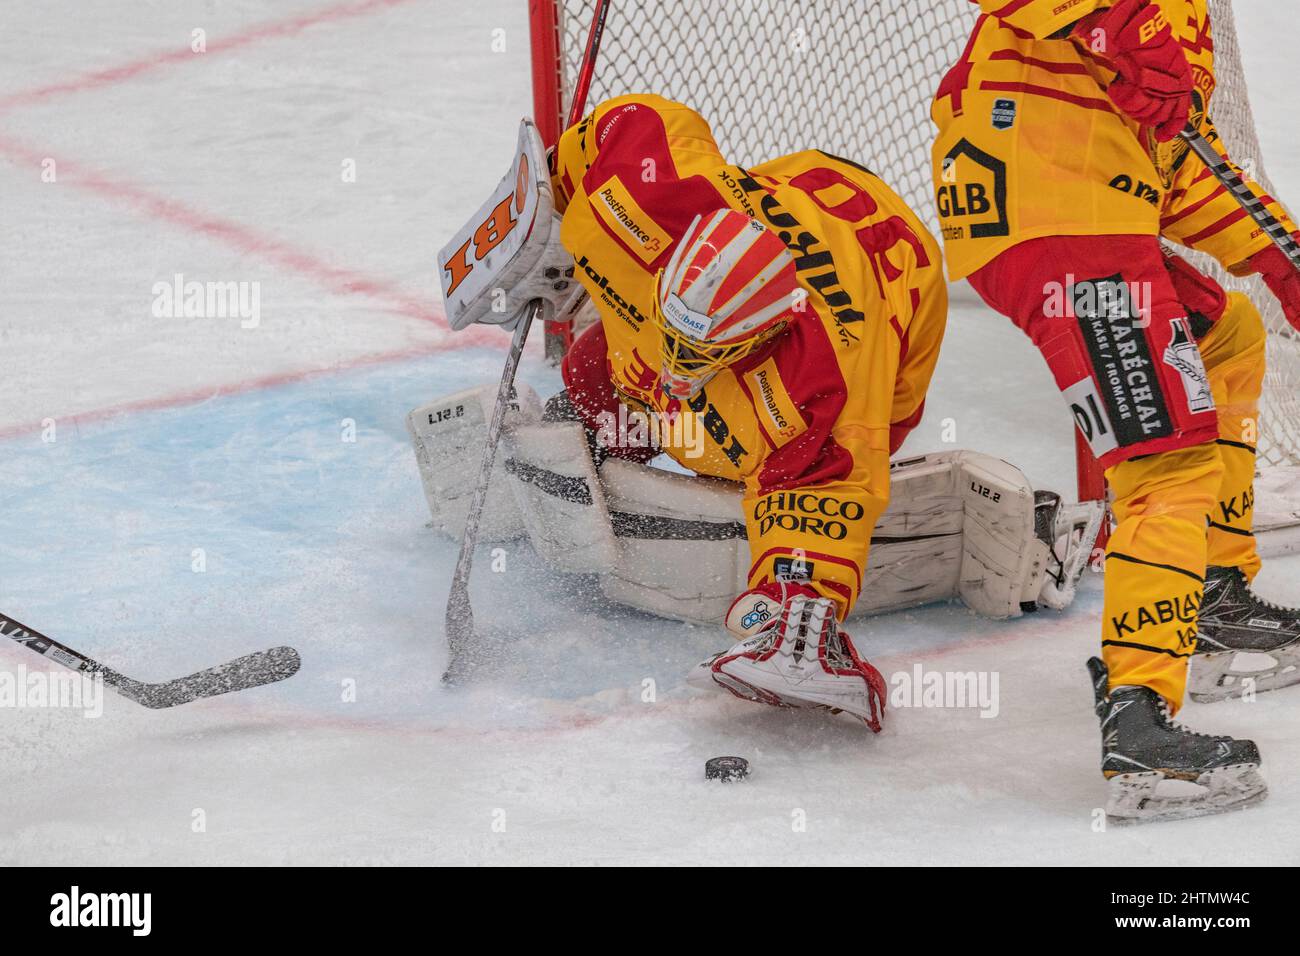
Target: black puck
[{"x": 726, "y": 769}]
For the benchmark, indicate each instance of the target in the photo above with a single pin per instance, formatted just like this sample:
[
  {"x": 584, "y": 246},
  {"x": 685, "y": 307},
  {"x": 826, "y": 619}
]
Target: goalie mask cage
[{"x": 855, "y": 78}]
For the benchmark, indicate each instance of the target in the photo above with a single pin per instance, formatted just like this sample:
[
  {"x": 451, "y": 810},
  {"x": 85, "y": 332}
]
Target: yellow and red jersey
[
  {"x": 806, "y": 421},
  {"x": 1030, "y": 145}
]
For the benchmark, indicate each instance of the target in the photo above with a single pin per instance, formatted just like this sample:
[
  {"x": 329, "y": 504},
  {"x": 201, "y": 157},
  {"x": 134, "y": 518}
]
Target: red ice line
[
  {"x": 335, "y": 279},
  {"x": 205, "y": 393},
  {"x": 127, "y": 71},
  {"x": 229, "y": 232}
]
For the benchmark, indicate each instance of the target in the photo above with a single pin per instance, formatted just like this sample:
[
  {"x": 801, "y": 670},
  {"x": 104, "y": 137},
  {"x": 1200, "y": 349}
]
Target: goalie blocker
[{"x": 959, "y": 524}]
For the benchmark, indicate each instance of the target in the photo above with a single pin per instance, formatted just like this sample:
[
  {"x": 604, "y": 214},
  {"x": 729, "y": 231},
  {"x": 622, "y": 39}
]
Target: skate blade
[
  {"x": 1220, "y": 675},
  {"x": 1136, "y": 797}
]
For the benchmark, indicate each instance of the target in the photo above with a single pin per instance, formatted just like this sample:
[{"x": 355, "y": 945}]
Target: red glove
[
  {"x": 1282, "y": 278},
  {"x": 1154, "y": 85}
]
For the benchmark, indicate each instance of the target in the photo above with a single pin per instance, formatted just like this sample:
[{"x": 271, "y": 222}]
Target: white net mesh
[{"x": 855, "y": 78}]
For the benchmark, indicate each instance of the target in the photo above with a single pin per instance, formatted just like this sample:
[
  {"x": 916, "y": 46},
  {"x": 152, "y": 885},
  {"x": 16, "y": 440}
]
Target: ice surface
[{"x": 184, "y": 443}]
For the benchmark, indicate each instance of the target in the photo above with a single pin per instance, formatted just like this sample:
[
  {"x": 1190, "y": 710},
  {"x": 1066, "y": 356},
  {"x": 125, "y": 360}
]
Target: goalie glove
[
  {"x": 509, "y": 253},
  {"x": 794, "y": 655}
]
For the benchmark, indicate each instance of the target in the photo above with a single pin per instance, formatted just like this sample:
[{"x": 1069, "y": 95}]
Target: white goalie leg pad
[
  {"x": 1003, "y": 559},
  {"x": 448, "y": 435},
  {"x": 959, "y": 524},
  {"x": 683, "y": 553},
  {"x": 916, "y": 546},
  {"x": 560, "y": 497}
]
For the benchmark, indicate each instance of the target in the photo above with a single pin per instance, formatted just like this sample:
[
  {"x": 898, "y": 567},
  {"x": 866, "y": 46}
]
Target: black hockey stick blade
[{"x": 252, "y": 670}]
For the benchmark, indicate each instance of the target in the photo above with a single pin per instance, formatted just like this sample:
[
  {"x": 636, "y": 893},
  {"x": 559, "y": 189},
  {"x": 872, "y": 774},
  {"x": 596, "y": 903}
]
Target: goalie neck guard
[{"x": 729, "y": 287}]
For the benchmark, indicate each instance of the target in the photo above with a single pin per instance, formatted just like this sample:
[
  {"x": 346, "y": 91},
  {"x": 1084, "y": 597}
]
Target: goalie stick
[
  {"x": 252, "y": 670},
  {"x": 460, "y": 614},
  {"x": 1246, "y": 198}
]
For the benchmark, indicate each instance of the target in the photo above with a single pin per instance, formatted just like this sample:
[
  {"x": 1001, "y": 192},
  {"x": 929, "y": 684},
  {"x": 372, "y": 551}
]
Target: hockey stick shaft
[
  {"x": 583, "y": 87},
  {"x": 460, "y": 613},
  {"x": 1231, "y": 180},
  {"x": 252, "y": 670}
]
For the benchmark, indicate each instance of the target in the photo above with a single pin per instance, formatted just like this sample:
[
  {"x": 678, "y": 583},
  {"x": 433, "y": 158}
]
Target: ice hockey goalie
[{"x": 773, "y": 330}]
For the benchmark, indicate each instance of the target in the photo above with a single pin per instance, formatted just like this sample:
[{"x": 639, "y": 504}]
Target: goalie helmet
[{"x": 729, "y": 287}]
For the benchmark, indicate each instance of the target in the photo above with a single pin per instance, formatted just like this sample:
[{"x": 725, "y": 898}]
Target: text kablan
[{"x": 78, "y": 909}]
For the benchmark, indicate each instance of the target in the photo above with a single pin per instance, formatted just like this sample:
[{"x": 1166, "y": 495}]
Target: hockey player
[
  {"x": 792, "y": 311},
  {"x": 1058, "y": 171},
  {"x": 796, "y": 309}
]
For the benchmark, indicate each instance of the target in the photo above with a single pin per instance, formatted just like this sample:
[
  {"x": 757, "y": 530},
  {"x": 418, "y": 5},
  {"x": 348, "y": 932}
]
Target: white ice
[{"x": 137, "y": 448}]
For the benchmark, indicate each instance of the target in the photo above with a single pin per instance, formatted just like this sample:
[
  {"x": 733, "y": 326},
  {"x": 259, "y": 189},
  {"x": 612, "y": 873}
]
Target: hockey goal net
[{"x": 855, "y": 77}]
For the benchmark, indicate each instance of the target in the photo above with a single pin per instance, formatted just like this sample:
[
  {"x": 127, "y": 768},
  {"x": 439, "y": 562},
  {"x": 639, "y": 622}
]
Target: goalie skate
[
  {"x": 1156, "y": 769},
  {"x": 805, "y": 661},
  {"x": 1245, "y": 643}
]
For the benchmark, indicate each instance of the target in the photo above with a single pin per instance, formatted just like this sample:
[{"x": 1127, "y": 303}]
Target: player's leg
[
  {"x": 1233, "y": 351},
  {"x": 1234, "y": 620},
  {"x": 1105, "y": 313}
]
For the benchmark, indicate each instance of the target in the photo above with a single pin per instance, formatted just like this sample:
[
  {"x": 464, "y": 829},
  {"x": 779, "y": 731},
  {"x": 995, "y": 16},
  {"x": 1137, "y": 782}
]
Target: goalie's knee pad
[
  {"x": 560, "y": 498},
  {"x": 682, "y": 547}
]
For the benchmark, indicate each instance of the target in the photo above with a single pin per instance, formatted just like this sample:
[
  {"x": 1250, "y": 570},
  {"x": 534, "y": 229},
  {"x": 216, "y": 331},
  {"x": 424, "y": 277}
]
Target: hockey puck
[{"x": 726, "y": 769}]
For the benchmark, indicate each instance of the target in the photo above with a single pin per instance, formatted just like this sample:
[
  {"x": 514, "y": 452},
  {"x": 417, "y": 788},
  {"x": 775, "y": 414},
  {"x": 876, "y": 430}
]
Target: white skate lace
[
  {"x": 1175, "y": 724},
  {"x": 1168, "y": 719},
  {"x": 1262, "y": 602},
  {"x": 836, "y": 654}
]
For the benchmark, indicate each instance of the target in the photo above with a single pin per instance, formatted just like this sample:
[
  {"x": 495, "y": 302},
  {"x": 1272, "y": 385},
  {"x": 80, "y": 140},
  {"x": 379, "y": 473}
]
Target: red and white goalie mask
[{"x": 729, "y": 287}]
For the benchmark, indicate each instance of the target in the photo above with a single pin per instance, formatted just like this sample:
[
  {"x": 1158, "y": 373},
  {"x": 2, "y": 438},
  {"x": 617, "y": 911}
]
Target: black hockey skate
[
  {"x": 1243, "y": 641},
  {"x": 1160, "y": 770}
]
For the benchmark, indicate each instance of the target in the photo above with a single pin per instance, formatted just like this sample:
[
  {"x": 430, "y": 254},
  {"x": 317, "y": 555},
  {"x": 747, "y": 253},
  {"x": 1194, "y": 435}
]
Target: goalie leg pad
[
  {"x": 1003, "y": 561},
  {"x": 959, "y": 524},
  {"x": 683, "y": 551},
  {"x": 560, "y": 497},
  {"x": 448, "y": 435},
  {"x": 916, "y": 546}
]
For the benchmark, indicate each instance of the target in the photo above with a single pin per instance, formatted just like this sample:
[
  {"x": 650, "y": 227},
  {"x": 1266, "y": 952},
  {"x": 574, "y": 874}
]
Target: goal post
[{"x": 856, "y": 78}]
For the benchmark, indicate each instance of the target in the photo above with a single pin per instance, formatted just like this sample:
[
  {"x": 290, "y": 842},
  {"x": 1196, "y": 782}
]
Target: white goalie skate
[{"x": 802, "y": 659}]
